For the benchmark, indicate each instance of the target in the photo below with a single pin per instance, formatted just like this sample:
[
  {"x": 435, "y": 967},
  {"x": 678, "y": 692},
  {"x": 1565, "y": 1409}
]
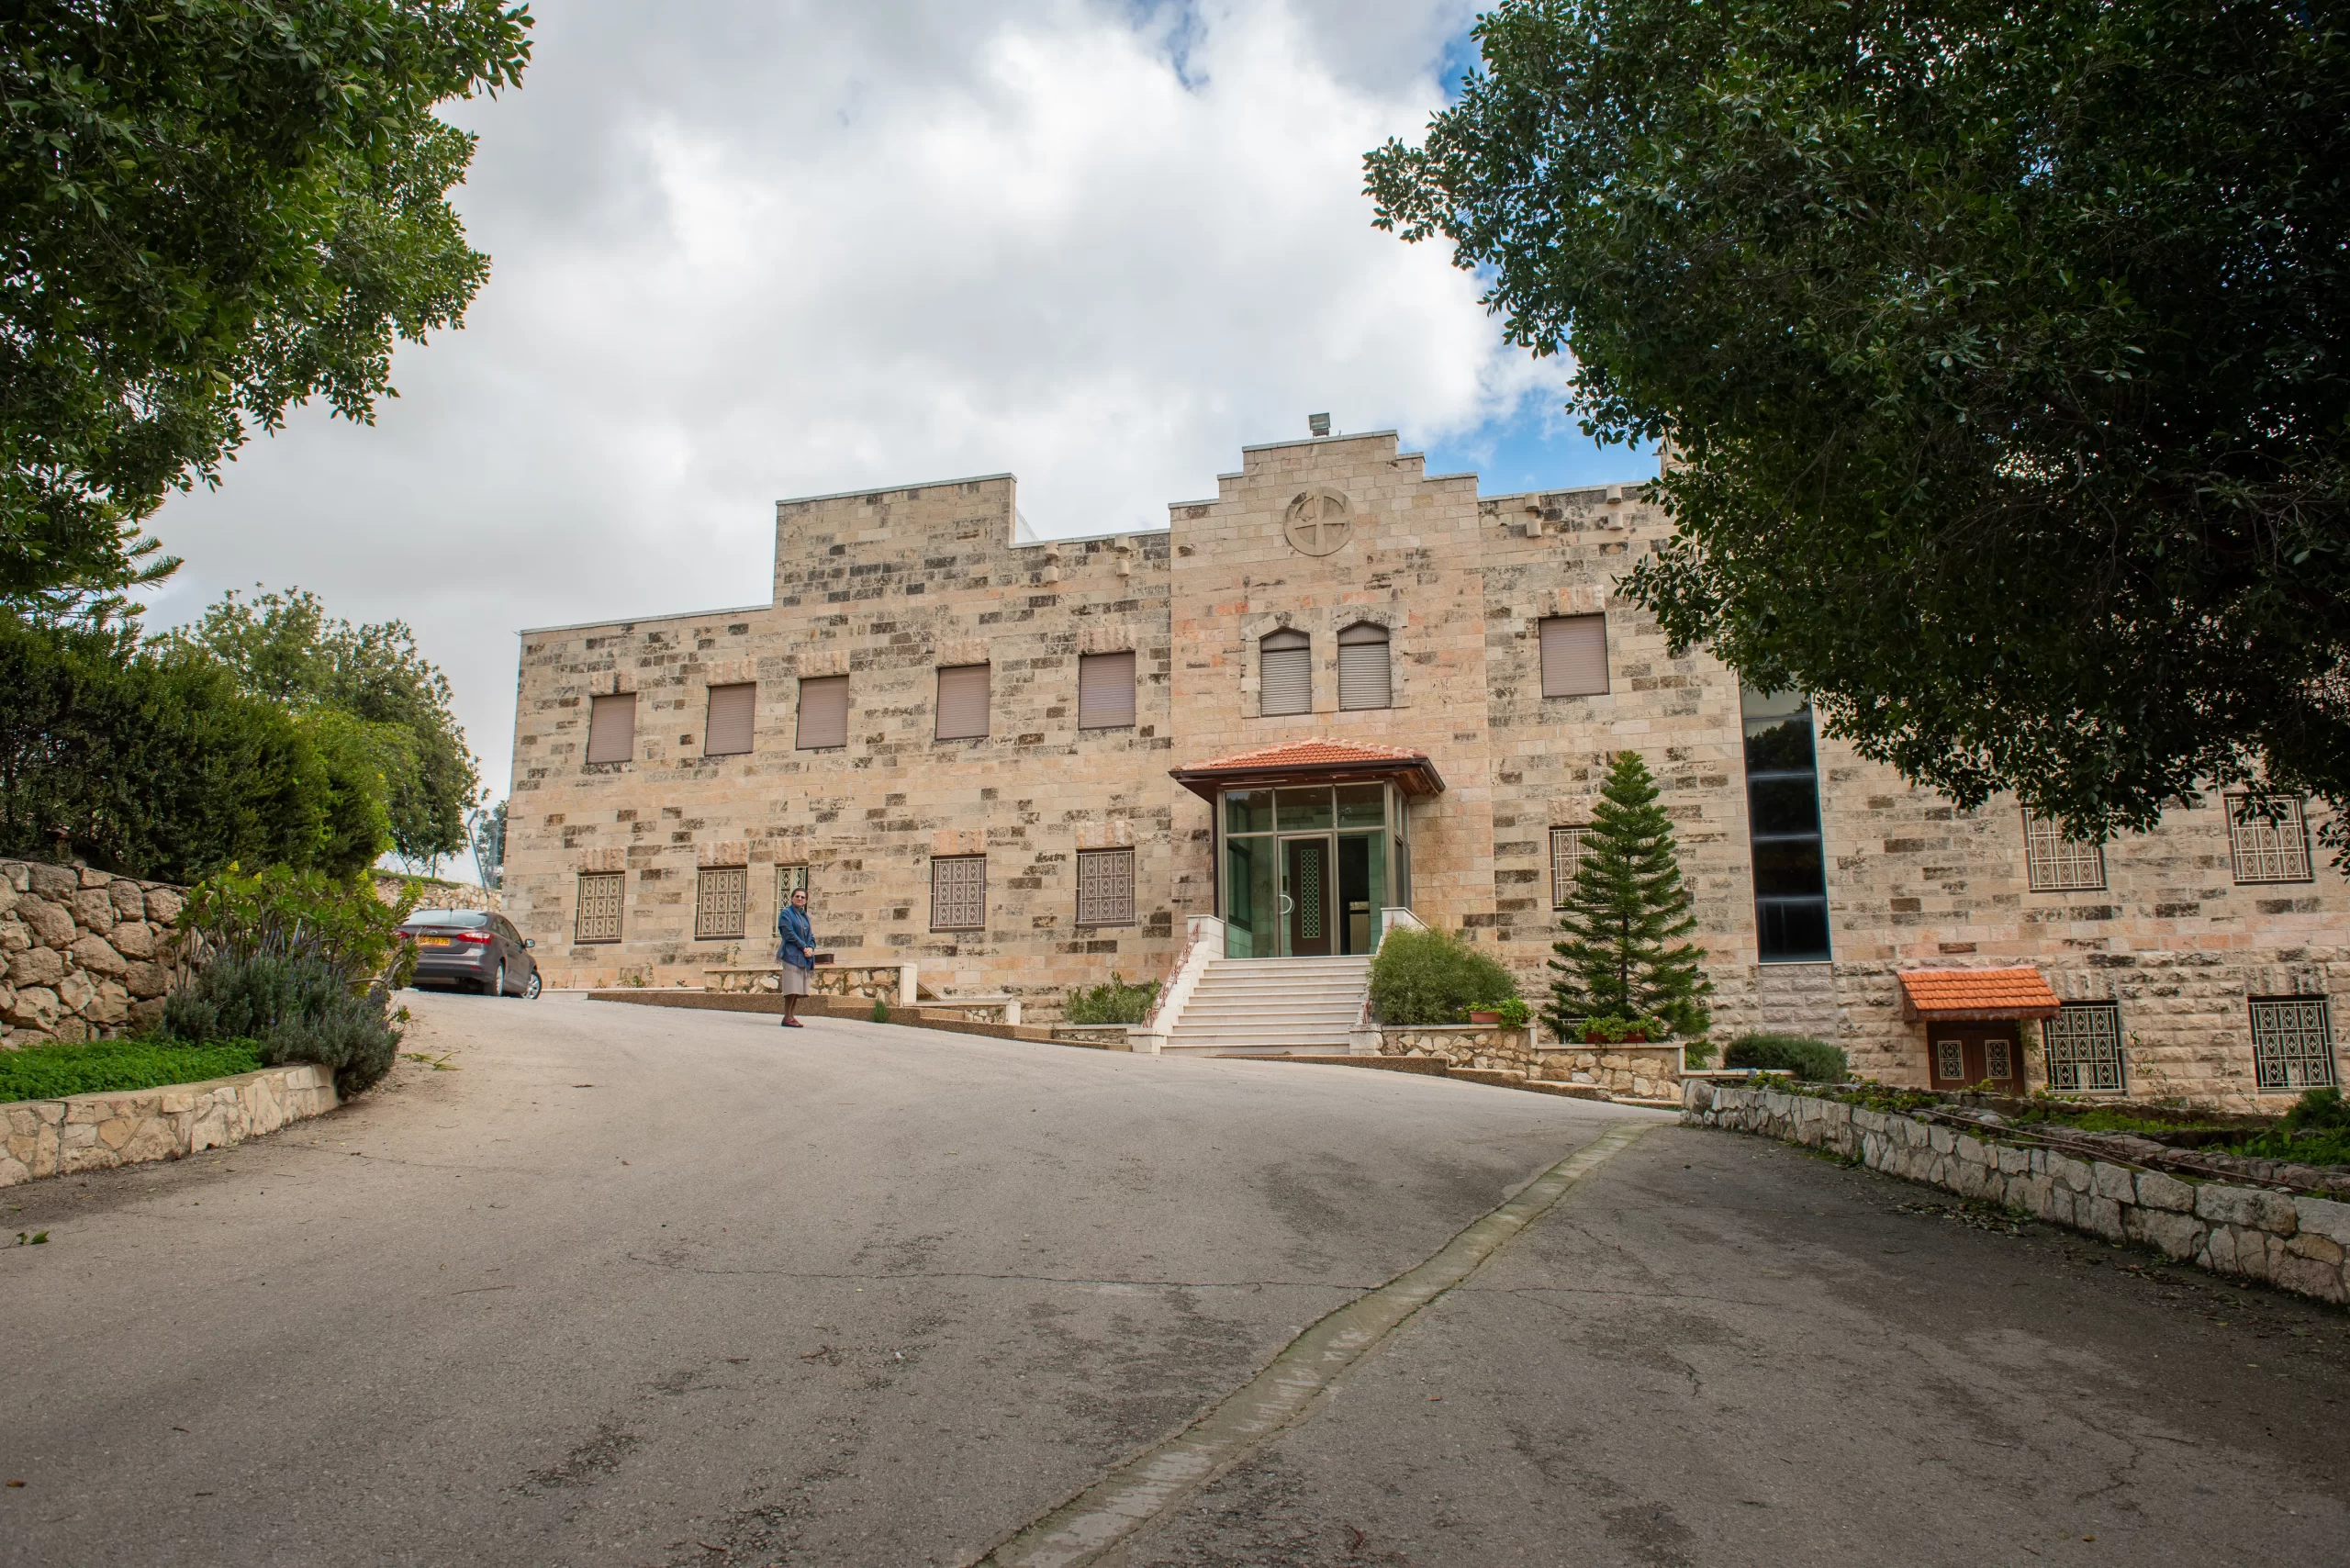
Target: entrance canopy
[
  {"x": 1950, "y": 996},
  {"x": 1313, "y": 762}
]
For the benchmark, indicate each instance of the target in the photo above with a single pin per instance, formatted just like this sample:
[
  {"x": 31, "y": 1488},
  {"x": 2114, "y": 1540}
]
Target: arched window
[
  {"x": 1364, "y": 681},
  {"x": 1286, "y": 663}
]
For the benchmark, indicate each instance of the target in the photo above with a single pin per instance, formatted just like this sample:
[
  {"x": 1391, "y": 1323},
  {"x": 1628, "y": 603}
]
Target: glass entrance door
[
  {"x": 1306, "y": 871},
  {"x": 1305, "y": 896}
]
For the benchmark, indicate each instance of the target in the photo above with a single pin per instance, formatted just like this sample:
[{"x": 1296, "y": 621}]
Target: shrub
[
  {"x": 302, "y": 965},
  {"x": 1116, "y": 1002},
  {"x": 1613, "y": 1029},
  {"x": 1815, "y": 1061},
  {"x": 2316, "y": 1131},
  {"x": 149, "y": 764},
  {"x": 1433, "y": 977},
  {"x": 51, "y": 1072}
]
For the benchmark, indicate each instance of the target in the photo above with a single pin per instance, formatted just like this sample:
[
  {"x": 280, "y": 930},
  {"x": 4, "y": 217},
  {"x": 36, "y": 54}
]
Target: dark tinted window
[{"x": 1783, "y": 828}]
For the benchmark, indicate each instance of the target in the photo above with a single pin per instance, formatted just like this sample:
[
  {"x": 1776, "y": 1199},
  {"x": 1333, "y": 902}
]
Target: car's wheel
[
  {"x": 497, "y": 987},
  {"x": 531, "y": 987}
]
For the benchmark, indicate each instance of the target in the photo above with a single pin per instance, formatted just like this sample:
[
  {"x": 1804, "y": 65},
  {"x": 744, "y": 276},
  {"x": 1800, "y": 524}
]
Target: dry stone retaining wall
[
  {"x": 97, "y": 1132},
  {"x": 84, "y": 953},
  {"x": 2299, "y": 1243}
]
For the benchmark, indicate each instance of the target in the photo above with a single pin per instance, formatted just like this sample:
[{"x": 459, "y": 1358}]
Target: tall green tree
[
  {"x": 391, "y": 709},
  {"x": 212, "y": 210},
  {"x": 1622, "y": 955},
  {"x": 2002, "y": 348}
]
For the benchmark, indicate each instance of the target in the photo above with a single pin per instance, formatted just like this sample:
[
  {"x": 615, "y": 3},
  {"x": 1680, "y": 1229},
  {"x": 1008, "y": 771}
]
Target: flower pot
[{"x": 1478, "y": 1015}]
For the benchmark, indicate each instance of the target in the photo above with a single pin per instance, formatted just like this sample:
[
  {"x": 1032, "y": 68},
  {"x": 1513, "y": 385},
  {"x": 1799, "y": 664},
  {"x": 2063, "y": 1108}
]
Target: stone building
[{"x": 1338, "y": 688}]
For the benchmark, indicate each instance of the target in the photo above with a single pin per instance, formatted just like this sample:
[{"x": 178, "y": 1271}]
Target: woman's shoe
[{"x": 793, "y": 1024}]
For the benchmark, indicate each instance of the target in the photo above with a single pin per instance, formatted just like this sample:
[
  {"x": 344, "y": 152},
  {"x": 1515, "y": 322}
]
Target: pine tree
[{"x": 1621, "y": 955}]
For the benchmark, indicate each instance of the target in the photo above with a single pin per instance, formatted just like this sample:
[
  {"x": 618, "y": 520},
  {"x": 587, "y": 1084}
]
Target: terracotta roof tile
[
  {"x": 1980, "y": 993},
  {"x": 1311, "y": 753}
]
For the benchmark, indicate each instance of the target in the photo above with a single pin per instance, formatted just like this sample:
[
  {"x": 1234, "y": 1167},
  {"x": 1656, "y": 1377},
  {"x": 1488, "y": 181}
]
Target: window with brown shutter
[
  {"x": 611, "y": 728},
  {"x": 721, "y": 898},
  {"x": 1105, "y": 887},
  {"x": 1285, "y": 673},
  {"x": 599, "y": 915},
  {"x": 823, "y": 713},
  {"x": 727, "y": 732},
  {"x": 1575, "y": 656},
  {"x": 1105, "y": 691},
  {"x": 959, "y": 892},
  {"x": 963, "y": 704},
  {"x": 1364, "y": 679}
]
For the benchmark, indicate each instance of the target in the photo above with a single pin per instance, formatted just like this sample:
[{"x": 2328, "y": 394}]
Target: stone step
[{"x": 1261, "y": 1033}]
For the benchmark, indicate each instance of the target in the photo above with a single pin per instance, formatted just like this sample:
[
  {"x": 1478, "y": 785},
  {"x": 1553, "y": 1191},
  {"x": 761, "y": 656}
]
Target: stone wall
[
  {"x": 97, "y": 1132},
  {"x": 438, "y": 895},
  {"x": 1627, "y": 1072},
  {"x": 2293, "y": 1241},
  {"x": 1483, "y": 1045},
  {"x": 86, "y": 953}
]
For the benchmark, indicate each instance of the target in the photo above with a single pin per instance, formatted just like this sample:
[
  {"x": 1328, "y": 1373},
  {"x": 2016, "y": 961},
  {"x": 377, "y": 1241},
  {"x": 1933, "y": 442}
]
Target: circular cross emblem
[{"x": 1319, "y": 522}]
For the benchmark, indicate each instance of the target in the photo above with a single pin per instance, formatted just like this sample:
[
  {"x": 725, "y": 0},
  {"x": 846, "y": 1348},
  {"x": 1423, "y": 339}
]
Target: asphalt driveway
[{"x": 633, "y": 1286}]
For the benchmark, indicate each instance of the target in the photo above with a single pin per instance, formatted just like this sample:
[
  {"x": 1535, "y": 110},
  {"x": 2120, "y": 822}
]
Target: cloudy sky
[{"x": 744, "y": 250}]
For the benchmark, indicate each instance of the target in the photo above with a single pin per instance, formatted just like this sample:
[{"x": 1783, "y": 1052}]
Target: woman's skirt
[{"x": 795, "y": 981}]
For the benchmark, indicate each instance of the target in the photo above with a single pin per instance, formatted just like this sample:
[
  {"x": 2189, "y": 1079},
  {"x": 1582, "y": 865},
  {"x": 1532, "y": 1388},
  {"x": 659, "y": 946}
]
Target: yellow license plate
[{"x": 432, "y": 941}]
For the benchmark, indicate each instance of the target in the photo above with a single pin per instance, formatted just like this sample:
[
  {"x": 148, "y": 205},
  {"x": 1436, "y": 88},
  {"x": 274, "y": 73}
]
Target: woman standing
[{"x": 797, "y": 938}]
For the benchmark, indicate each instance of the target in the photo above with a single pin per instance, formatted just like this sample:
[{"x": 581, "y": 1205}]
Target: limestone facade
[{"x": 889, "y": 587}]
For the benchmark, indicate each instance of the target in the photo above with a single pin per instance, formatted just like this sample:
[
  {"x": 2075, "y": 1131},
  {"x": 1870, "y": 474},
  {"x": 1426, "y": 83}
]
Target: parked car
[{"x": 471, "y": 948}]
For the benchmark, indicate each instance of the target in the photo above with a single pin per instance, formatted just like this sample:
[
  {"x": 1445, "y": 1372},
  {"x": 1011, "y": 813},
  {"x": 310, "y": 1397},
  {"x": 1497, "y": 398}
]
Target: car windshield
[{"x": 464, "y": 919}]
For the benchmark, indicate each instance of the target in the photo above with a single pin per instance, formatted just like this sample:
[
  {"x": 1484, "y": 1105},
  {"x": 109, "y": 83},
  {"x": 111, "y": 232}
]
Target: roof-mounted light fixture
[{"x": 1318, "y": 424}]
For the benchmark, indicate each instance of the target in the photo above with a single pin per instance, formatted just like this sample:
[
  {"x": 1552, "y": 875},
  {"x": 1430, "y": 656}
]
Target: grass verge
[{"x": 51, "y": 1072}]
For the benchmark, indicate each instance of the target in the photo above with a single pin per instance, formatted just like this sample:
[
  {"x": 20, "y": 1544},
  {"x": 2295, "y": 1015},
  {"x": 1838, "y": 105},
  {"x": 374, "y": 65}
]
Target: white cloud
[{"x": 792, "y": 250}]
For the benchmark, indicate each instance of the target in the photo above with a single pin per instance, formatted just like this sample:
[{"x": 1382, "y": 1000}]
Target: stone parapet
[
  {"x": 1632, "y": 1070},
  {"x": 892, "y": 983},
  {"x": 2294, "y": 1242},
  {"x": 97, "y": 1132},
  {"x": 1109, "y": 1036},
  {"x": 1476, "y": 1046},
  {"x": 83, "y": 954}
]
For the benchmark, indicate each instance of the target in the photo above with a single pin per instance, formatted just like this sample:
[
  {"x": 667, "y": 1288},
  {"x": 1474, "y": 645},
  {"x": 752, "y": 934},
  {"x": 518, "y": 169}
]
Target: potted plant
[
  {"x": 1611, "y": 1030},
  {"x": 1484, "y": 1016},
  {"x": 1514, "y": 1013}
]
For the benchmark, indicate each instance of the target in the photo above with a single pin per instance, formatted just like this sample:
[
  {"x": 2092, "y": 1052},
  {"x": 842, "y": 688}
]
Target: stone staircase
[{"x": 1273, "y": 1007}]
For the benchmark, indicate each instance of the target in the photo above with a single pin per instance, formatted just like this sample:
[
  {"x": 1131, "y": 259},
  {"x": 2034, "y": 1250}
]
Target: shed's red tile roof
[
  {"x": 1309, "y": 754},
  {"x": 1983, "y": 993}
]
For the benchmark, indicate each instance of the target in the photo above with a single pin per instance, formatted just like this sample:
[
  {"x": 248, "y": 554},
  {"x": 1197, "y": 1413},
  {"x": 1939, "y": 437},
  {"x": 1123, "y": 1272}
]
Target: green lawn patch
[{"x": 51, "y": 1072}]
